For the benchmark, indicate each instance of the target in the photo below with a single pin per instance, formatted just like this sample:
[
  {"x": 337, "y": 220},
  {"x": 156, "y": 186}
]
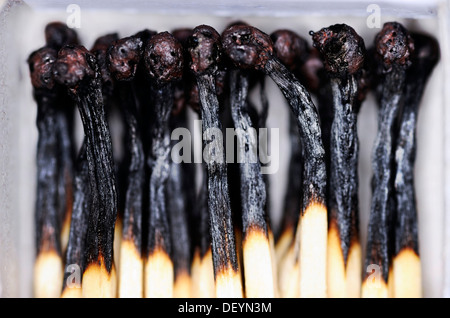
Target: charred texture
[
  {"x": 393, "y": 38},
  {"x": 77, "y": 69},
  {"x": 80, "y": 213},
  {"x": 242, "y": 39},
  {"x": 253, "y": 190},
  {"x": 47, "y": 216},
  {"x": 343, "y": 53},
  {"x": 205, "y": 53},
  {"x": 424, "y": 59},
  {"x": 123, "y": 58},
  {"x": 164, "y": 61},
  {"x": 58, "y": 34},
  {"x": 100, "y": 49}
]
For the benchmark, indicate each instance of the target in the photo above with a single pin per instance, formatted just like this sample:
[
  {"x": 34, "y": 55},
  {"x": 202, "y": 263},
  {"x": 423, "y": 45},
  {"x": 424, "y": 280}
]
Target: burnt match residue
[
  {"x": 164, "y": 61},
  {"x": 251, "y": 48},
  {"x": 47, "y": 216},
  {"x": 343, "y": 50},
  {"x": 426, "y": 55},
  {"x": 293, "y": 52},
  {"x": 123, "y": 58},
  {"x": 58, "y": 34},
  {"x": 77, "y": 69},
  {"x": 80, "y": 213},
  {"x": 205, "y": 53},
  {"x": 100, "y": 49},
  {"x": 394, "y": 47}
]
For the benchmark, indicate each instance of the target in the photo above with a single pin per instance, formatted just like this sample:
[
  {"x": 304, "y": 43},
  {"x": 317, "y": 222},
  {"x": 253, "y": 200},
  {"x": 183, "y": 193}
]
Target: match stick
[
  {"x": 406, "y": 262},
  {"x": 181, "y": 185},
  {"x": 78, "y": 228},
  {"x": 249, "y": 47},
  {"x": 205, "y": 50},
  {"x": 164, "y": 60},
  {"x": 48, "y": 267},
  {"x": 99, "y": 50},
  {"x": 123, "y": 58},
  {"x": 343, "y": 51},
  {"x": 77, "y": 69},
  {"x": 203, "y": 285},
  {"x": 394, "y": 47},
  {"x": 58, "y": 34},
  {"x": 292, "y": 51},
  {"x": 256, "y": 248},
  {"x": 202, "y": 269}
]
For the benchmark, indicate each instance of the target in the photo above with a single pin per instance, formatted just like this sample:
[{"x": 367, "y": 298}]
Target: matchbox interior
[{"x": 22, "y": 26}]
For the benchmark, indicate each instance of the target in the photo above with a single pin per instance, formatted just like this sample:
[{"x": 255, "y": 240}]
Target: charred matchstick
[
  {"x": 77, "y": 69},
  {"x": 406, "y": 262},
  {"x": 78, "y": 227},
  {"x": 394, "y": 47},
  {"x": 48, "y": 263},
  {"x": 205, "y": 52},
  {"x": 180, "y": 185},
  {"x": 164, "y": 60},
  {"x": 343, "y": 51},
  {"x": 202, "y": 263},
  {"x": 248, "y": 47},
  {"x": 292, "y": 51},
  {"x": 256, "y": 249},
  {"x": 123, "y": 58},
  {"x": 58, "y": 34}
]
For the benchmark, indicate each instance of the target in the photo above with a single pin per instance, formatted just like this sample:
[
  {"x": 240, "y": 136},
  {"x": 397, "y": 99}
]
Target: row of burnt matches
[{"x": 137, "y": 227}]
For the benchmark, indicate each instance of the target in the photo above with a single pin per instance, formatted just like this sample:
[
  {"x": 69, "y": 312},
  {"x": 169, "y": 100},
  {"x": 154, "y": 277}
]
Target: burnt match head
[
  {"x": 99, "y": 50},
  {"x": 247, "y": 47},
  {"x": 394, "y": 46},
  {"x": 341, "y": 48},
  {"x": 163, "y": 57},
  {"x": 104, "y": 42},
  {"x": 123, "y": 57},
  {"x": 74, "y": 64},
  {"x": 182, "y": 35},
  {"x": 205, "y": 50},
  {"x": 58, "y": 34},
  {"x": 145, "y": 35},
  {"x": 290, "y": 48},
  {"x": 426, "y": 50},
  {"x": 41, "y": 64}
]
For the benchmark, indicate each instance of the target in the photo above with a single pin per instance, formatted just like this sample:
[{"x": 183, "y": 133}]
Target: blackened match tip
[
  {"x": 290, "y": 48},
  {"x": 426, "y": 49},
  {"x": 58, "y": 34},
  {"x": 41, "y": 63},
  {"x": 205, "y": 50},
  {"x": 124, "y": 56},
  {"x": 394, "y": 45},
  {"x": 247, "y": 47},
  {"x": 163, "y": 57},
  {"x": 74, "y": 64},
  {"x": 104, "y": 42},
  {"x": 342, "y": 49}
]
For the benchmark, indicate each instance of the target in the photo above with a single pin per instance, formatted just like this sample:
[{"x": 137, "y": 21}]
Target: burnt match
[
  {"x": 394, "y": 47},
  {"x": 343, "y": 51},
  {"x": 407, "y": 271},
  {"x": 123, "y": 57},
  {"x": 205, "y": 49},
  {"x": 250, "y": 48},
  {"x": 48, "y": 267},
  {"x": 77, "y": 69},
  {"x": 164, "y": 60}
]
